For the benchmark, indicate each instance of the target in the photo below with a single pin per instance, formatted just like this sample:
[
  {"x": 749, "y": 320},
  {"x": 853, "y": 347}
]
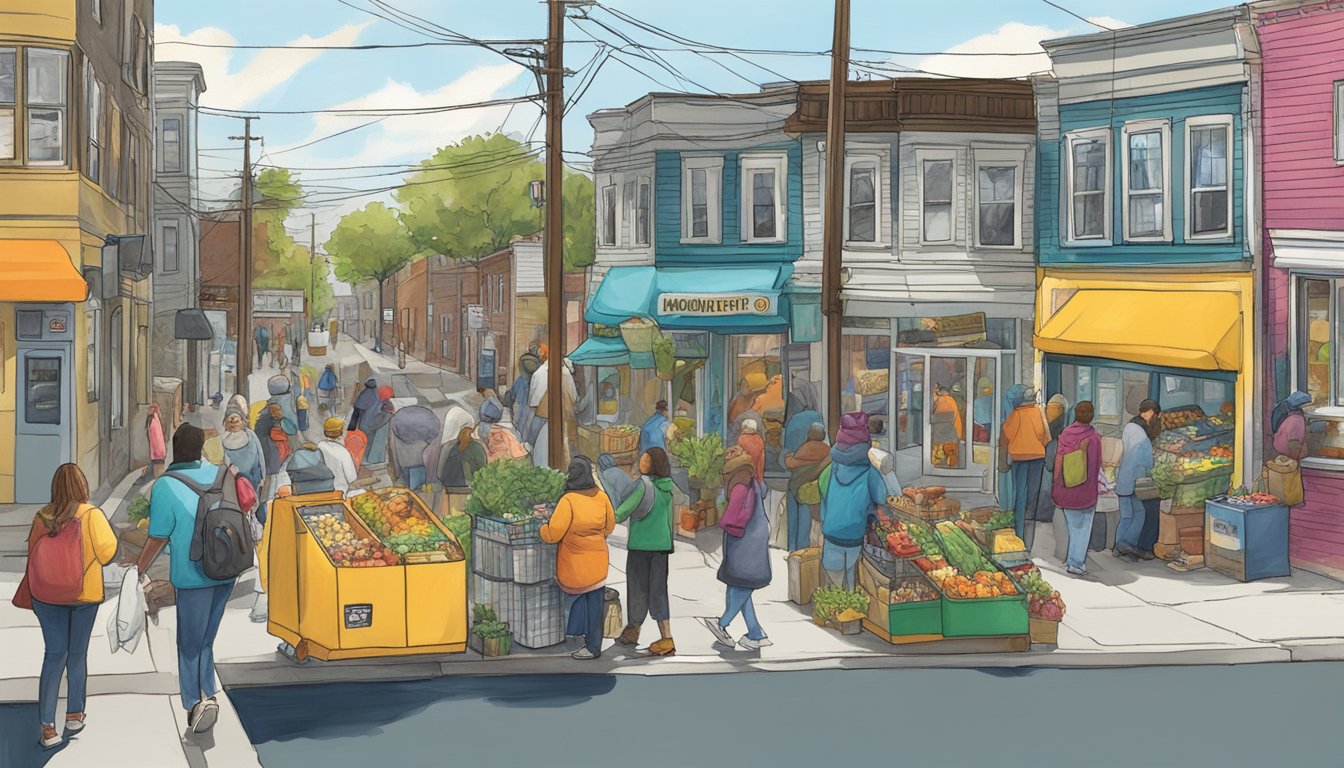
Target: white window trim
[
  {"x": 1000, "y": 158},
  {"x": 875, "y": 161},
  {"x": 922, "y": 156},
  {"x": 612, "y": 212},
  {"x": 1204, "y": 121},
  {"x": 645, "y": 237},
  {"x": 713, "y": 168},
  {"x": 1108, "y": 190},
  {"x": 750, "y": 163},
  {"x": 1339, "y": 122},
  {"x": 1164, "y": 129}
]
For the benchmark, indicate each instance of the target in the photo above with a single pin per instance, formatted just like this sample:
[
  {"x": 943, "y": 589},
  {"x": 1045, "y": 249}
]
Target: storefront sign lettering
[{"x": 715, "y": 304}]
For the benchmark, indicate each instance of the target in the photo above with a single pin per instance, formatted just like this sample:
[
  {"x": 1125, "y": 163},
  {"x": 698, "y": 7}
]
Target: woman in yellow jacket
[
  {"x": 581, "y": 524},
  {"x": 66, "y": 628}
]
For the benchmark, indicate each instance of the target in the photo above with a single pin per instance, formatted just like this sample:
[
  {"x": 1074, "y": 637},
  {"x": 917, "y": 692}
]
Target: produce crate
[
  {"x": 985, "y": 616},
  {"x": 1044, "y": 632},
  {"x": 525, "y": 531},
  {"x": 920, "y": 618},
  {"x": 534, "y": 612},
  {"x": 523, "y": 563},
  {"x": 619, "y": 441},
  {"x": 1196, "y": 493}
]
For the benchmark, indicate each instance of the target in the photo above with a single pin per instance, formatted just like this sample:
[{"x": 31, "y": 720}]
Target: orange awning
[{"x": 39, "y": 270}]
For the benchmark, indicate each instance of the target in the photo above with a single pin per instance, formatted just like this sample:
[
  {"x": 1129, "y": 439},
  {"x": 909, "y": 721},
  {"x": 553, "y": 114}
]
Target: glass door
[
  {"x": 948, "y": 381},
  {"x": 949, "y": 411}
]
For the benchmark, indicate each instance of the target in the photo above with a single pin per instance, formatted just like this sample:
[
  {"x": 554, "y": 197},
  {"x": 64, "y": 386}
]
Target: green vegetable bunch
[
  {"x": 1036, "y": 586},
  {"x": 486, "y": 625},
  {"x": 701, "y": 457},
  {"x": 460, "y": 527},
  {"x": 923, "y": 536},
  {"x": 509, "y": 488},
  {"x": 827, "y": 602},
  {"x": 664, "y": 353},
  {"x": 138, "y": 510}
]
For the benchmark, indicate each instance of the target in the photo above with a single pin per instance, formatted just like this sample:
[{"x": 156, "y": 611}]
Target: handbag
[
  {"x": 1074, "y": 465},
  {"x": 1145, "y": 489},
  {"x": 1283, "y": 478}
]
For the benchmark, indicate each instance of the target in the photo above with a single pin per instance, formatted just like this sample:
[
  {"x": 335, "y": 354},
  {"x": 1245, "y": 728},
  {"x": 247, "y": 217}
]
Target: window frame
[
  {"x": 923, "y": 157},
  {"x": 23, "y": 107},
  {"x": 175, "y": 166},
  {"x": 643, "y": 211},
  {"x": 609, "y": 221},
  {"x": 96, "y": 10},
  {"x": 750, "y": 164},
  {"x": 1001, "y": 158},
  {"x": 1163, "y": 128},
  {"x": 164, "y": 226},
  {"x": 1297, "y": 359},
  {"x": 1339, "y": 122},
  {"x": 712, "y": 166},
  {"x": 93, "y": 115},
  {"x": 856, "y": 161},
  {"x": 1104, "y": 135},
  {"x": 16, "y": 109},
  {"x": 1205, "y": 121}
]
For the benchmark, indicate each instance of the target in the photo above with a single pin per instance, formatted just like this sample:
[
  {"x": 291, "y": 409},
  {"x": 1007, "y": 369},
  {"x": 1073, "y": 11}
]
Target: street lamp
[{"x": 537, "y": 189}]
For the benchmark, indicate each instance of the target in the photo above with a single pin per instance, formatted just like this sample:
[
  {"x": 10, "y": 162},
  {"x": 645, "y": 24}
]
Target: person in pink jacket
[
  {"x": 1079, "y": 501},
  {"x": 158, "y": 448}
]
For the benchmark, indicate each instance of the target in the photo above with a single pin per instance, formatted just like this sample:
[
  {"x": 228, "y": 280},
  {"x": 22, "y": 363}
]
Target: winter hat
[
  {"x": 853, "y": 430},
  {"x": 384, "y": 393},
  {"x": 750, "y": 427},
  {"x": 580, "y": 475},
  {"x": 333, "y": 427}
]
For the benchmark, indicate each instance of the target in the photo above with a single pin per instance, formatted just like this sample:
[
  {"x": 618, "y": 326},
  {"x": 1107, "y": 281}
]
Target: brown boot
[
  {"x": 664, "y": 647},
  {"x": 629, "y": 637}
]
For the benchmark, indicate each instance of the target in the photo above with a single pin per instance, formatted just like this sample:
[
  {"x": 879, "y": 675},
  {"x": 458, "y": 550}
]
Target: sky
[{"x": 355, "y": 168}]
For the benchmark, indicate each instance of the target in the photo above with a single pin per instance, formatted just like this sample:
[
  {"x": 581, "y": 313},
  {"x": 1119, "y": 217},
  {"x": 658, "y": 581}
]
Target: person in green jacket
[{"x": 649, "y": 510}]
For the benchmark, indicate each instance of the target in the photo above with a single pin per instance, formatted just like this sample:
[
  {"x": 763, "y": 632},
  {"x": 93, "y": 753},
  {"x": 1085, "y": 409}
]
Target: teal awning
[
  {"x": 741, "y": 299},
  {"x": 598, "y": 350}
]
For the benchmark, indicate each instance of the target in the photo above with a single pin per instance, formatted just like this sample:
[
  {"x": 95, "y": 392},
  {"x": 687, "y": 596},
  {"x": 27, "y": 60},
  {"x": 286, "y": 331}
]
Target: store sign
[
  {"x": 359, "y": 616},
  {"x": 475, "y": 317},
  {"x": 283, "y": 303},
  {"x": 958, "y": 330},
  {"x": 715, "y": 304},
  {"x": 387, "y": 315}
]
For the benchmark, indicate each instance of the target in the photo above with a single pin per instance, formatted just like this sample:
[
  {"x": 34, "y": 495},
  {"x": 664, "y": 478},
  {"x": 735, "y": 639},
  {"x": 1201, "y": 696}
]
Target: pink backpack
[{"x": 56, "y": 565}]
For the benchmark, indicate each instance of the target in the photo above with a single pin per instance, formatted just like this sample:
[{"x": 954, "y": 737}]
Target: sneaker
[
  {"x": 1143, "y": 554},
  {"x": 629, "y": 637},
  {"x": 720, "y": 633},
  {"x": 1076, "y": 571},
  {"x": 583, "y": 654},
  {"x": 50, "y": 738},
  {"x": 754, "y": 645},
  {"x": 259, "y": 612},
  {"x": 74, "y": 722},
  {"x": 664, "y": 647},
  {"x": 207, "y": 712}
]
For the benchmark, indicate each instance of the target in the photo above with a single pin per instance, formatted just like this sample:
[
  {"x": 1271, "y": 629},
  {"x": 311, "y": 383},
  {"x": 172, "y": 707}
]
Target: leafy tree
[
  {"x": 370, "y": 244},
  {"x": 285, "y": 263}
]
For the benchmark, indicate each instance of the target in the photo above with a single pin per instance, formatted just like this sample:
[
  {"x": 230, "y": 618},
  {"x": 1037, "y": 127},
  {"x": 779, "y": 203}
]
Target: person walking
[
  {"x": 296, "y": 347},
  {"x": 67, "y": 605},
  {"x": 200, "y": 599},
  {"x": 947, "y": 427},
  {"x": 158, "y": 450},
  {"x": 750, "y": 440},
  {"x": 518, "y": 396},
  {"x": 268, "y": 426},
  {"x": 850, "y": 491},
  {"x": 746, "y": 557},
  {"x": 1024, "y": 436},
  {"x": 1136, "y": 466},
  {"x": 365, "y": 405},
  {"x": 262, "y": 338},
  {"x": 653, "y": 434},
  {"x": 580, "y": 525},
  {"x": 1077, "y": 462},
  {"x": 805, "y": 465},
  {"x": 328, "y": 391},
  {"x": 375, "y": 427},
  {"x": 414, "y": 440},
  {"x": 649, "y": 510},
  {"x": 242, "y": 448},
  {"x": 336, "y": 455},
  {"x": 460, "y": 460},
  {"x": 278, "y": 350}
]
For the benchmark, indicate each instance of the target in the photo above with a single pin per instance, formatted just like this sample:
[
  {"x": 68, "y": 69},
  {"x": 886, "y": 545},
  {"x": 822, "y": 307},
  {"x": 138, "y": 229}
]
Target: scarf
[{"x": 234, "y": 441}]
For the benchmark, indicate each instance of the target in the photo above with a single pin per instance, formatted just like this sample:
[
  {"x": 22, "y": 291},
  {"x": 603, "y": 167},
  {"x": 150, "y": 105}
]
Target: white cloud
[
  {"x": 1013, "y": 37},
  {"x": 228, "y": 87}
]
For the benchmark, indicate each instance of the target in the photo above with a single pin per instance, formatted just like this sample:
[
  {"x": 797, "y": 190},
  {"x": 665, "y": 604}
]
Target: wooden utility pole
[
  {"x": 554, "y": 242},
  {"x": 311, "y": 298},
  {"x": 833, "y": 224},
  {"x": 243, "y": 365}
]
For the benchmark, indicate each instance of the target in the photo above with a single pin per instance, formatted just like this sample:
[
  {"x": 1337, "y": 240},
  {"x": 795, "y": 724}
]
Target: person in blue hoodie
[
  {"x": 851, "y": 490},
  {"x": 654, "y": 432}
]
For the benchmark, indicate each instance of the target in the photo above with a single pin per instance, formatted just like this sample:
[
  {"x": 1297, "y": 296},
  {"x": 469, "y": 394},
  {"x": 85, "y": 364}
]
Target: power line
[
  {"x": 370, "y": 112},
  {"x": 332, "y": 136},
  {"x": 1057, "y": 6},
  {"x": 364, "y": 47}
]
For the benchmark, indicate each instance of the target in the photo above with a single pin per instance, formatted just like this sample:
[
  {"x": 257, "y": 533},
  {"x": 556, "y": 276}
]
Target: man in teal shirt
[{"x": 200, "y": 599}]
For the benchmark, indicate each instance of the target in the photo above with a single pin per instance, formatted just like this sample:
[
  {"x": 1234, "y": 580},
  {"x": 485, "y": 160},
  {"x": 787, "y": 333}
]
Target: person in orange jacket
[
  {"x": 581, "y": 524},
  {"x": 1025, "y": 436}
]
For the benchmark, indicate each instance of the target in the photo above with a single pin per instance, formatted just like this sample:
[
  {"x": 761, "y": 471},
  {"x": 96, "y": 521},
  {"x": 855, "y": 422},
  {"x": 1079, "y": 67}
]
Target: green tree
[
  {"x": 370, "y": 244},
  {"x": 285, "y": 263}
]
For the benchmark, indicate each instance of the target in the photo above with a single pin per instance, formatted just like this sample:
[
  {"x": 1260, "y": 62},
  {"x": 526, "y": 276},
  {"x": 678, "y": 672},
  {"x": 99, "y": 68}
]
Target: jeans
[
  {"x": 738, "y": 600},
  {"x": 65, "y": 633},
  {"x": 1079, "y": 522},
  {"x": 800, "y": 524},
  {"x": 585, "y": 618},
  {"x": 837, "y": 559},
  {"x": 646, "y": 579},
  {"x": 412, "y": 477},
  {"x": 1152, "y": 515},
  {"x": 1131, "y": 522},
  {"x": 198, "y": 614},
  {"x": 1026, "y": 487}
]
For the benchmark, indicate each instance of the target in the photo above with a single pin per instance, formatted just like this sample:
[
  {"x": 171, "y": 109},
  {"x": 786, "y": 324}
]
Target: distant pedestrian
[
  {"x": 460, "y": 460},
  {"x": 200, "y": 599},
  {"x": 851, "y": 490},
  {"x": 413, "y": 445},
  {"x": 1077, "y": 463},
  {"x": 267, "y": 424},
  {"x": 501, "y": 441},
  {"x": 158, "y": 451},
  {"x": 653, "y": 434},
  {"x": 262, "y": 338},
  {"x": 278, "y": 358},
  {"x": 581, "y": 523},
  {"x": 328, "y": 391},
  {"x": 750, "y": 440},
  {"x": 296, "y": 344},
  {"x": 366, "y": 403},
  {"x": 338, "y": 457},
  {"x": 805, "y": 464},
  {"x": 68, "y": 543},
  {"x": 1136, "y": 466},
  {"x": 519, "y": 396},
  {"x": 1024, "y": 436},
  {"x": 375, "y": 425},
  {"x": 242, "y": 448},
  {"x": 649, "y": 510},
  {"x": 746, "y": 557}
]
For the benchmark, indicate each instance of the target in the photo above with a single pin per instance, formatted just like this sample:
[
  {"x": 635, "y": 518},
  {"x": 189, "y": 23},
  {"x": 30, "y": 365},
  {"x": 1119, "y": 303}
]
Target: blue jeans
[
  {"x": 800, "y": 524},
  {"x": 1131, "y": 522},
  {"x": 1152, "y": 515},
  {"x": 738, "y": 600},
  {"x": 198, "y": 615},
  {"x": 1079, "y": 523},
  {"x": 839, "y": 559},
  {"x": 1026, "y": 487},
  {"x": 412, "y": 477},
  {"x": 585, "y": 618},
  {"x": 65, "y": 633}
]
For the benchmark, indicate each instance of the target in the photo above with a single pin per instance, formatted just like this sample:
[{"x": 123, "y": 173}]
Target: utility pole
[
  {"x": 312, "y": 273},
  {"x": 833, "y": 229},
  {"x": 554, "y": 233},
  {"x": 243, "y": 365}
]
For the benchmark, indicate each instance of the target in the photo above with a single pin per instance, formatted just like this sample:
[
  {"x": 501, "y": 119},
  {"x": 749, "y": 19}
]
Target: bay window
[
  {"x": 171, "y": 143},
  {"x": 763, "y": 179},
  {"x": 701, "y": 192},
  {"x": 1208, "y": 200},
  {"x": 1088, "y": 184},
  {"x": 93, "y": 102},
  {"x": 1147, "y": 175},
  {"x": 45, "y": 97}
]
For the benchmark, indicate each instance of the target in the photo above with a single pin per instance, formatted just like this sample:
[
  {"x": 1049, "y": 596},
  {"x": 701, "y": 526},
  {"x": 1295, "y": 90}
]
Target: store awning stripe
[
  {"x": 39, "y": 270},
  {"x": 625, "y": 292},
  {"x": 1198, "y": 330},
  {"x": 598, "y": 350}
]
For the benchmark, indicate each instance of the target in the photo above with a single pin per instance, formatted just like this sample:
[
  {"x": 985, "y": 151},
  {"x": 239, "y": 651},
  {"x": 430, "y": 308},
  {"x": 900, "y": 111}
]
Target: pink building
[{"x": 1301, "y": 90}]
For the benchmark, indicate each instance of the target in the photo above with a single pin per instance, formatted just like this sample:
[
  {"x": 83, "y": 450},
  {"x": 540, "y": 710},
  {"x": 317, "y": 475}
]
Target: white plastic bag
[{"x": 127, "y": 623}]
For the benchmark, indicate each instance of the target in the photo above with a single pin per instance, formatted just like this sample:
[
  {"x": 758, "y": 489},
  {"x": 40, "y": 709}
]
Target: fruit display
[
  {"x": 940, "y": 576},
  {"x": 1005, "y": 542},
  {"x": 1252, "y": 498},
  {"x": 508, "y": 489},
  {"x": 982, "y": 584},
  {"x": 1002, "y": 518},
  {"x": 901, "y": 545},
  {"x": 622, "y": 429},
  {"x": 1043, "y": 601},
  {"x": 962, "y": 553},
  {"x": 1179, "y": 417},
  {"x": 890, "y": 534},
  {"x": 347, "y": 547},
  {"x": 400, "y": 525},
  {"x": 913, "y": 590}
]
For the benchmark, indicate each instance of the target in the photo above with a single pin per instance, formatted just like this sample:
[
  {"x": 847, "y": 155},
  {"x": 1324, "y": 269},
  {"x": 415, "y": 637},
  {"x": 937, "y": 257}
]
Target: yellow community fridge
[{"x": 371, "y": 575}]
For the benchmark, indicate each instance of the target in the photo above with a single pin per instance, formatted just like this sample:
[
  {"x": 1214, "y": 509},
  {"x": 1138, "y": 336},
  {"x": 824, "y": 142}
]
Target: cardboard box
[
  {"x": 804, "y": 574},
  {"x": 1169, "y": 526},
  {"x": 870, "y": 578}
]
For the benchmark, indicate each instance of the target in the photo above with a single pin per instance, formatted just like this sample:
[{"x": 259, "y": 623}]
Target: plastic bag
[{"x": 126, "y": 625}]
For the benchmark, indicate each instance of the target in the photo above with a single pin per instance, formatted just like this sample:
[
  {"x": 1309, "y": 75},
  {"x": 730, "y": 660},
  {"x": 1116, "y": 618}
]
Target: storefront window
[
  {"x": 757, "y": 372},
  {"x": 692, "y": 350},
  {"x": 909, "y": 402},
  {"x": 866, "y": 368},
  {"x": 1314, "y": 337},
  {"x": 947, "y": 413},
  {"x": 982, "y": 410}
]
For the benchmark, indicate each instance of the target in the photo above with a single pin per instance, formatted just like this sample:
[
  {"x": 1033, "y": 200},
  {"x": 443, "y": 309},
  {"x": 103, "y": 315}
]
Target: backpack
[
  {"x": 1074, "y": 464},
  {"x": 222, "y": 541},
  {"x": 56, "y": 565},
  {"x": 309, "y": 473}
]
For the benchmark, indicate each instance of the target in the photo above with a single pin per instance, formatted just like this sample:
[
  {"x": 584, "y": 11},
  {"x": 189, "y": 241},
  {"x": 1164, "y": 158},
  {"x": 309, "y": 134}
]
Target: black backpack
[
  {"x": 222, "y": 541},
  {"x": 308, "y": 472}
]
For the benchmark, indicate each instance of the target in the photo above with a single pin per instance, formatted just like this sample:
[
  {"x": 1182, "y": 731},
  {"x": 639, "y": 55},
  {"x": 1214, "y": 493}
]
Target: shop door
[
  {"x": 43, "y": 420},
  {"x": 949, "y": 406}
]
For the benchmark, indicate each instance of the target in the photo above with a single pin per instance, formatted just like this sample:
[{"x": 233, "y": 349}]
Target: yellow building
[{"x": 76, "y": 149}]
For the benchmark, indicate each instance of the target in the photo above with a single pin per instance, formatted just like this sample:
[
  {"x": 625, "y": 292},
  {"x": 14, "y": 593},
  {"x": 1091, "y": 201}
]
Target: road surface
[{"x": 1252, "y": 716}]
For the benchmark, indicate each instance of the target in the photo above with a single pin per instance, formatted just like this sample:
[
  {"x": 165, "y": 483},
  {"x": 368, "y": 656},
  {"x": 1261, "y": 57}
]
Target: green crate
[
  {"x": 924, "y": 618},
  {"x": 985, "y": 616}
]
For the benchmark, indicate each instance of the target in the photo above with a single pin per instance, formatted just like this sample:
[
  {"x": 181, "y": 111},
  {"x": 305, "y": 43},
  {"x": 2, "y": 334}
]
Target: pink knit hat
[{"x": 853, "y": 430}]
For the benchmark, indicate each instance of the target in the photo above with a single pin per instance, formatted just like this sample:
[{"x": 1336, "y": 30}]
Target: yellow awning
[
  {"x": 39, "y": 270},
  {"x": 1180, "y": 329}
]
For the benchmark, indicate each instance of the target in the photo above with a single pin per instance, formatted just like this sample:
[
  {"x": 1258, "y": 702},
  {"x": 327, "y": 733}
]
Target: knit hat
[
  {"x": 853, "y": 430},
  {"x": 333, "y": 427},
  {"x": 749, "y": 426},
  {"x": 384, "y": 393}
]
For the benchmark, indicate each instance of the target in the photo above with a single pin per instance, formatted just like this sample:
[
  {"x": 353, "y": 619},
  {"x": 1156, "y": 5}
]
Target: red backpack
[{"x": 56, "y": 565}]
